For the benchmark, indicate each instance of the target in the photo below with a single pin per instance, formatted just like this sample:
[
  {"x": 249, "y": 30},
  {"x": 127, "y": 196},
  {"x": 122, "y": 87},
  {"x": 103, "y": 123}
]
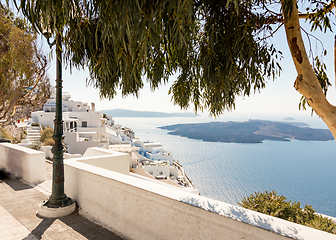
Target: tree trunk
[{"x": 306, "y": 82}]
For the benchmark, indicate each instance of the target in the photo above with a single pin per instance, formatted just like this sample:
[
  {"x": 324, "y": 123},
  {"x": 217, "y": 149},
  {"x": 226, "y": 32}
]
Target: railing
[
  {"x": 179, "y": 166},
  {"x": 73, "y": 129}
]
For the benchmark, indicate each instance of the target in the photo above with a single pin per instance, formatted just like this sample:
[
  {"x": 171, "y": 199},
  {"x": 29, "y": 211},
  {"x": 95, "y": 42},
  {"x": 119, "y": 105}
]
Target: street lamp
[{"x": 58, "y": 204}]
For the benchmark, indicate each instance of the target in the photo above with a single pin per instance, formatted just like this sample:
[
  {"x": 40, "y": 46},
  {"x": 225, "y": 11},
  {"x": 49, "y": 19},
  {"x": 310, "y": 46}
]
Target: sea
[{"x": 302, "y": 171}]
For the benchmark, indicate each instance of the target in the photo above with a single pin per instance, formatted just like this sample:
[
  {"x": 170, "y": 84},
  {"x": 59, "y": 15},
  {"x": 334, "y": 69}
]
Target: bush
[
  {"x": 48, "y": 142},
  {"x": 35, "y": 145},
  {"x": 5, "y": 134},
  {"x": 35, "y": 125},
  {"x": 46, "y": 134},
  {"x": 16, "y": 141},
  {"x": 272, "y": 204}
]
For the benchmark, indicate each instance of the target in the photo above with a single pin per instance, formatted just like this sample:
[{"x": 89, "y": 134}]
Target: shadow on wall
[
  {"x": 244, "y": 215},
  {"x": 3, "y": 175}
]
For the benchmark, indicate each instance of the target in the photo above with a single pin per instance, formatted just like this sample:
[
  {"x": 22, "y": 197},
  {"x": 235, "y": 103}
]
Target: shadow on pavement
[
  {"x": 41, "y": 228},
  {"x": 73, "y": 226},
  {"x": 89, "y": 229},
  {"x": 15, "y": 184}
]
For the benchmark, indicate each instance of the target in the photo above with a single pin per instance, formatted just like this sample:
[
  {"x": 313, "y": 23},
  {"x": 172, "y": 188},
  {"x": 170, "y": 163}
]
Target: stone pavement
[{"x": 18, "y": 220}]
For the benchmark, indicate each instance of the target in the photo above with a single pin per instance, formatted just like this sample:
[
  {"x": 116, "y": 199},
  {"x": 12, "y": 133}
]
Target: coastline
[{"x": 299, "y": 170}]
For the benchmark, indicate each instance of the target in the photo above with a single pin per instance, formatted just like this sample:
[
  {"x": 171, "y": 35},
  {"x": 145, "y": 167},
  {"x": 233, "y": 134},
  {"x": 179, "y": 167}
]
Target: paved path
[{"x": 18, "y": 220}]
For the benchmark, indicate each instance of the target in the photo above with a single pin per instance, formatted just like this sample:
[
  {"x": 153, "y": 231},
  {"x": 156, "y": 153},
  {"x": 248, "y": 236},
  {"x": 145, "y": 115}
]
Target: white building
[
  {"x": 129, "y": 149},
  {"x": 83, "y": 126},
  {"x": 150, "y": 151}
]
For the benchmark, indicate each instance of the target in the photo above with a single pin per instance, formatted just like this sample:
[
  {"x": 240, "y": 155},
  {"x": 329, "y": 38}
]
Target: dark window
[
  {"x": 84, "y": 124},
  {"x": 71, "y": 125}
]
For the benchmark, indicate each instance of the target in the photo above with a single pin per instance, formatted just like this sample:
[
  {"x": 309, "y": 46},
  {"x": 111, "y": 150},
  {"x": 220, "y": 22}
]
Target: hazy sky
[{"x": 279, "y": 99}]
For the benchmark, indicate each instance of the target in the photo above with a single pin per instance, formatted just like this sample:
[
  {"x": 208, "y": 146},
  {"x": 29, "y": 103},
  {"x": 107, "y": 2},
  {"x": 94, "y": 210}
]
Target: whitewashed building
[
  {"x": 83, "y": 126},
  {"x": 152, "y": 151}
]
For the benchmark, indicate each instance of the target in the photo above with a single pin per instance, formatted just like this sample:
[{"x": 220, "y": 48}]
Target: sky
[{"x": 278, "y": 100}]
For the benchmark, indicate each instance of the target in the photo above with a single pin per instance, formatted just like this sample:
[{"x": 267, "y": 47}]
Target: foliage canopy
[
  {"x": 212, "y": 46},
  {"x": 22, "y": 66},
  {"x": 218, "y": 49}
]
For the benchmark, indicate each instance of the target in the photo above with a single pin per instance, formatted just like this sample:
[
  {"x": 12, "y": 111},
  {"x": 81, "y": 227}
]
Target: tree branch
[
  {"x": 328, "y": 7},
  {"x": 307, "y": 83},
  {"x": 271, "y": 35}
]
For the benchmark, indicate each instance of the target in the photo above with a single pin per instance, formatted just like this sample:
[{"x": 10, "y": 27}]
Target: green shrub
[
  {"x": 24, "y": 132},
  {"x": 35, "y": 125},
  {"x": 46, "y": 134},
  {"x": 35, "y": 145},
  {"x": 272, "y": 204}
]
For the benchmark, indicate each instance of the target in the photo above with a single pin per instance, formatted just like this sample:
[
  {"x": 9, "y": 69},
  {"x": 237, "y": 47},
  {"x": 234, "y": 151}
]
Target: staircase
[{"x": 33, "y": 134}]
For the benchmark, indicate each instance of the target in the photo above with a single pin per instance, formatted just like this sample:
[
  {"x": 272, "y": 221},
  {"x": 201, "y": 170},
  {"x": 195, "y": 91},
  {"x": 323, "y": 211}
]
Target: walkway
[{"x": 18, "y": 220}]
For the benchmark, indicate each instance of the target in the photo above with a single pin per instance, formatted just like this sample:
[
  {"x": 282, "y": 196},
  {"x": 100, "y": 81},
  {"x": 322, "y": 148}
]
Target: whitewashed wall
[
  {"x": 142, "y": 209},
  {"x": 74, "y": 146},
  {"x": 44, "y": 118},
  {"x": 158, "y": 170},
  {"x": 107, "y": 159},
  {"x": 23, "y": 162}
]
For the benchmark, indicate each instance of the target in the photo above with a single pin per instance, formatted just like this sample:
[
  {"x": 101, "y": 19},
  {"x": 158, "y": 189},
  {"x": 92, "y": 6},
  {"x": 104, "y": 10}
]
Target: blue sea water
[{"x": 303, "y": 171}]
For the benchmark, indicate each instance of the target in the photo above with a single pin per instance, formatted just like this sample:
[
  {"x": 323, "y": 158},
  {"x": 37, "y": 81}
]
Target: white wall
[
  {"x": 23, "y": 162},
  {"x": 72, "y": 105},
  {"x": 158, "y": 170},
  {"x": 47, "y": 151},
  {"x": 127, "y": 148},
  {"x": 142, "y": 209},
  {"x": 174, "y": 171},
  {"x": 95, "y": 151},
  {"x": 150, "y": 146},
  {"x": 47, "y": 118},
  {"x": 92, "y": 118},
  {"x": 107, "y": 159},
  {"x": 113, "y": 163},
  {"x": 74, "y": 146},
  {"x": 160, "y": 156}
]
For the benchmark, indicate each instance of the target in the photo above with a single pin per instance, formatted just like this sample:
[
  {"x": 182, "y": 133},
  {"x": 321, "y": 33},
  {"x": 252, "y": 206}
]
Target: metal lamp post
[{"x": 58, "y": 199}]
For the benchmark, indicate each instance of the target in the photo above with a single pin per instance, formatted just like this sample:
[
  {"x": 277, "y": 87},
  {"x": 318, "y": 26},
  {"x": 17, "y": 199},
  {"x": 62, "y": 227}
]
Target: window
[{"x": 84, "y": 123}]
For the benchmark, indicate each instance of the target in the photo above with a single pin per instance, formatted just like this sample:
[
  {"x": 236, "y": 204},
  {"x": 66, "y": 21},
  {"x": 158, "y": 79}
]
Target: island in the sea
[
  {"x": 252, "y": 131},
  {"x": 146, "y": 114}
]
